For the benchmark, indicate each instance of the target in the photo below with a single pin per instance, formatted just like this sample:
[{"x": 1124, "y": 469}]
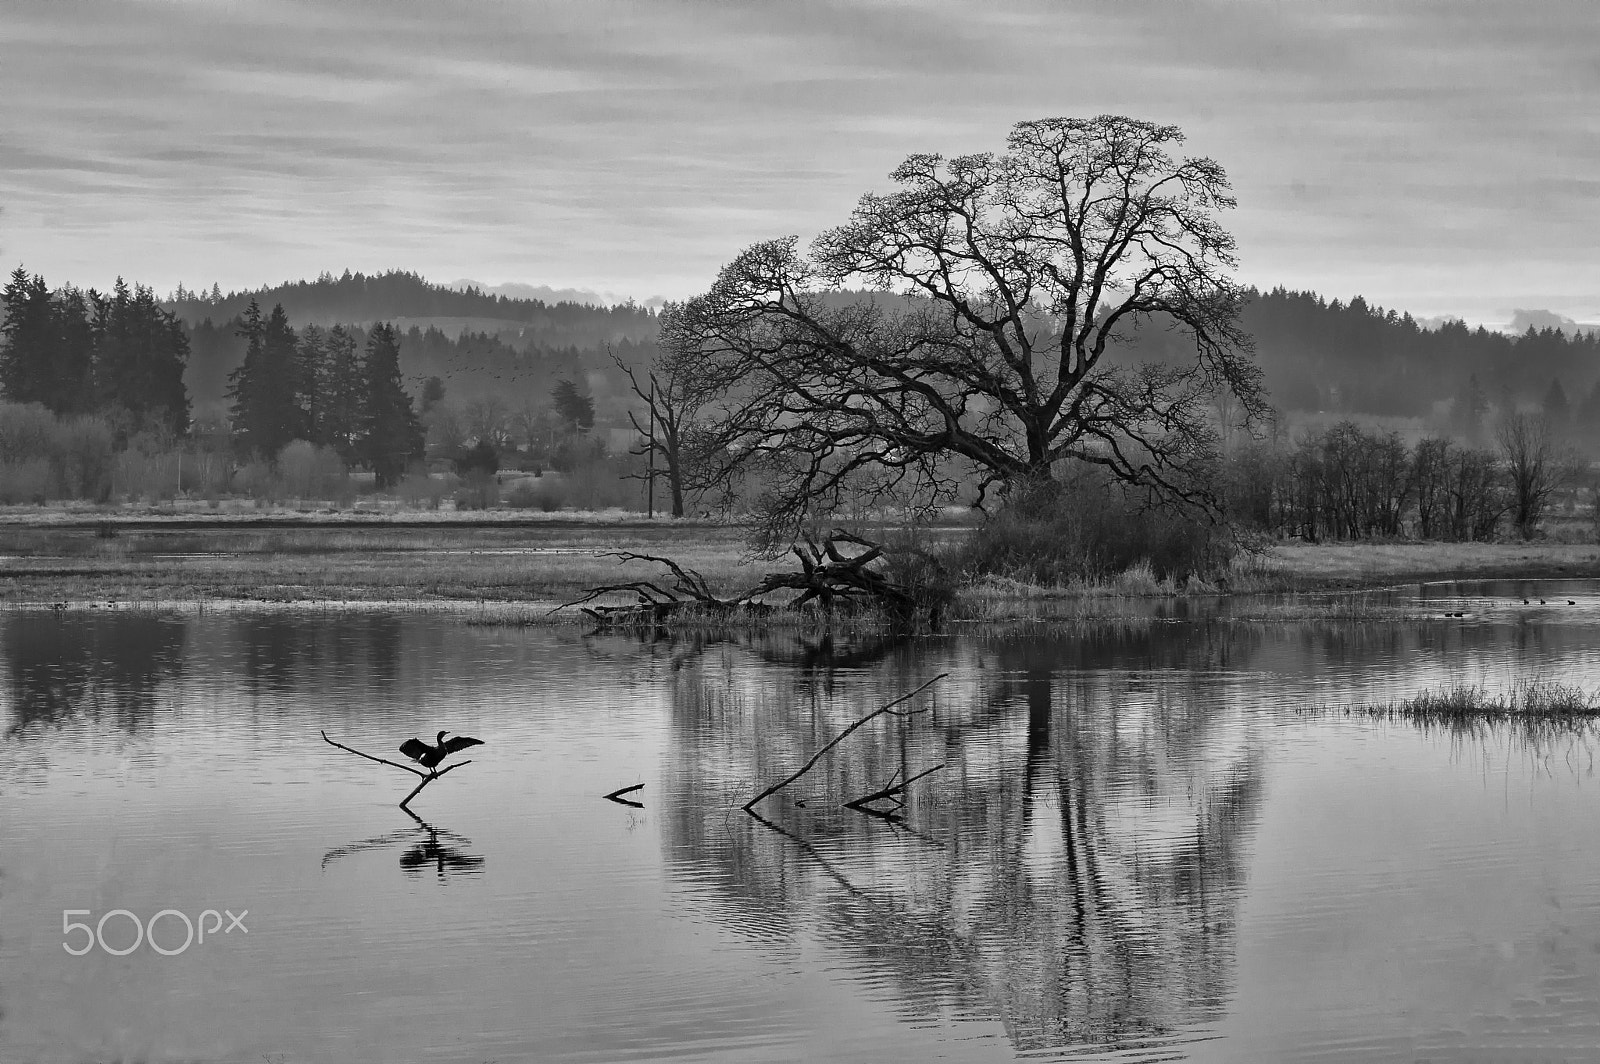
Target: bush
[
  {"x": 256, "y": 481},
  {"x": 417, "y": 488},
  {"x": 478, "y": 493},
  {"x": 153, "y": 477},
  {"x": 26, "y": 481},
  {"x": 86, "y": 446},
  {"x": 307, "y": 471},
  {"x": 78, "y": 453},
  {"x": 1091, "y": 528},
  {"x": 545, "y": 493},
  {"x": 929, "y": 579}
]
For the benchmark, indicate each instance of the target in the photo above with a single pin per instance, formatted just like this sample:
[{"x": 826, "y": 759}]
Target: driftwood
[
  {"x": 617, "y": 796},
  {"x": 427, "y": 777},
  {"x": 654, "y": 603},
  {"x": 892, "y": 792},
  {"x": 807, "y": 767}
]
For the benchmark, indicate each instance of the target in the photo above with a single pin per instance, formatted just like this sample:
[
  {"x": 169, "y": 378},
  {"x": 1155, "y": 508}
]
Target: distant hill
[
  {"x": 1357, "y": 358},
  {"x": 361, "y": 299},
  {"x": 481, "y": 344},
  {"x": 1317, "y": 355}
]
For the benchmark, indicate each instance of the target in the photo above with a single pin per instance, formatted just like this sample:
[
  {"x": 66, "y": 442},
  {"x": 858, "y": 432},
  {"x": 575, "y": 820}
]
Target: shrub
[
  {"x": 256, "y": 481},
  {"x": 478, "y": 493},
  {"x": 26, "y": 481},
  {"x": 418, "y": 488},
  {"x": 307, "y": 471},
  {"x": 1091, "y": 528},
  {"x": 87, "y": 457}
]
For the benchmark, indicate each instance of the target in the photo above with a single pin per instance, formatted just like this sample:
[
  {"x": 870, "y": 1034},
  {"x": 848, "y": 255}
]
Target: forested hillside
[
  {"x": 1356, "y": 358},
  {"x": 405, "y": 298},
  {"x": 479, "y": 345},
  {"x": 1316, "y": 355}
]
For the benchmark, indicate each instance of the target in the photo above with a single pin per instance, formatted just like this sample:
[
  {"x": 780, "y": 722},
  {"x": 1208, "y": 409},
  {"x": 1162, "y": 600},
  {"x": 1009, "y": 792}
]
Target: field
[{"x": 81, "y": 558}]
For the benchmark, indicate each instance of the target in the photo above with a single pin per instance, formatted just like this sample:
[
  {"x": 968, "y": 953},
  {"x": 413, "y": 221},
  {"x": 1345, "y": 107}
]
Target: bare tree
[
  {"x": 693, "y": 449},
  {"x": 1002, "y": 284},
  {"x": 1537, "y": 467},
  {"x": 487, "y": 421},
  {"x": 446, "y": 428}
]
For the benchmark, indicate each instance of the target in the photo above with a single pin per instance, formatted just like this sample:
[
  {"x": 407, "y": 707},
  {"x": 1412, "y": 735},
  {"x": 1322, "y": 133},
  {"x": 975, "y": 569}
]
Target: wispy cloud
[{"x": 1431, "y": 155}]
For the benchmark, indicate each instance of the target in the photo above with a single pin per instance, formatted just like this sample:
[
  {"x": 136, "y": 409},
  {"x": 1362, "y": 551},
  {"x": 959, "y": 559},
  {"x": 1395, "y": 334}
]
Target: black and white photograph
[{"x": 772, "y": 531}]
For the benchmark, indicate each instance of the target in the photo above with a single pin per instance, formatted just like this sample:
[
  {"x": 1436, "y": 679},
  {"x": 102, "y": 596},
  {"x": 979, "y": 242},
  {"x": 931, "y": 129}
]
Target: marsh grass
[
  {"x": 1534, "y": 698},
  {"x": 1533, "y": 712}
]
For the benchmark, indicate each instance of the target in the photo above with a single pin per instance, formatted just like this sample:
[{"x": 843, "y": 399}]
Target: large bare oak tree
[{"x": 1001, "y": 285}]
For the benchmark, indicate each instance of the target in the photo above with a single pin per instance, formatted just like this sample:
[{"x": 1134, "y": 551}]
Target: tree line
[
  {"x": 1348, "y": 482},
  {"x": 313, "y": 386},
  {"x": 401, "y": 294},
  {"x": 1353, "y": 357},
  {"x": 77, "y": 352},
  {"x": 121, "y": 355}
]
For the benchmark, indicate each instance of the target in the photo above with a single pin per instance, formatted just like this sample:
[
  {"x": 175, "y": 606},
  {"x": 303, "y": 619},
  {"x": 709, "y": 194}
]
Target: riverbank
[{"x": 535, "y": 561}]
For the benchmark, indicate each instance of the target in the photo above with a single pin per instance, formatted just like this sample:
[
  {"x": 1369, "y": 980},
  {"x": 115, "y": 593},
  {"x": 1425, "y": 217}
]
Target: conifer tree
[
  {"x": 1557, "y": 410},
  {"x": 310, "y": 353},
  {"x": 46, "y": 345},
  {"x": 572, "y": 406},
  {"x": 342, "y": 404},
  {"x": 392, "y": 434},
  {"x": 140, "y": 351},
  {"x": 266, "y": 414},
  {"x": 27, "y": 339}
]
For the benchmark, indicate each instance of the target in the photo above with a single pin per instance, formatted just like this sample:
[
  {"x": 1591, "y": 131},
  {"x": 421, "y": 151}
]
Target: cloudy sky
[{"x": 1442, "y": 158}]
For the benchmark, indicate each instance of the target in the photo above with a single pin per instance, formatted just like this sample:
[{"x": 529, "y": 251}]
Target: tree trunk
[{"x": 675, "y": 481}]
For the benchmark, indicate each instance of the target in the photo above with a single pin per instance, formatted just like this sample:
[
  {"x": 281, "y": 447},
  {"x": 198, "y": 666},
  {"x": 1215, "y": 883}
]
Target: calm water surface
[{"x": 1139, "y": 845}]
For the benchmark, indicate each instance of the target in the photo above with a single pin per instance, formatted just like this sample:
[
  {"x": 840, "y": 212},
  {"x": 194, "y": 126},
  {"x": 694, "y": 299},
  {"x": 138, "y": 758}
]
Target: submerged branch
[
  {"x": 617, "y": 796},
  {"x": 427, "y": 777},
  {"x": 369, "y": 757},
  {"x": 891, "y": 791}
]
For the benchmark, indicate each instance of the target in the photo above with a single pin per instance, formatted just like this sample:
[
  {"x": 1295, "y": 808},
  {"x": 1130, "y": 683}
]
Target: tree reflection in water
[
  {"x": 104, "y": 663},
  {"x": 1074, "y": 870}
]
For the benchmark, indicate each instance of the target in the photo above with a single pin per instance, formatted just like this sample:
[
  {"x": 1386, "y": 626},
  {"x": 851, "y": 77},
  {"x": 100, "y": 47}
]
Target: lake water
[{"x": 1140, "y": 845}]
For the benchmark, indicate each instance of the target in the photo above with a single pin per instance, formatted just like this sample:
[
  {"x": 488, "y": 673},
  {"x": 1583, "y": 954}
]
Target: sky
[{"x": 1441, "y": 157}]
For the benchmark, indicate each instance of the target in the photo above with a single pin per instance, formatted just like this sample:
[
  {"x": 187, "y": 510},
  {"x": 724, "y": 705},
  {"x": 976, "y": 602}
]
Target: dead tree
[{"x": 828, "y": 575}]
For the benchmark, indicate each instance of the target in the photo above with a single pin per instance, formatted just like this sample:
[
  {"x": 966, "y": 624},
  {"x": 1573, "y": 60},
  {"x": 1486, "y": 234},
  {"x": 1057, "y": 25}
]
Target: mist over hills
[
  {"x": 546, "y": 294},
  {"x": 1317, "y": 355}
]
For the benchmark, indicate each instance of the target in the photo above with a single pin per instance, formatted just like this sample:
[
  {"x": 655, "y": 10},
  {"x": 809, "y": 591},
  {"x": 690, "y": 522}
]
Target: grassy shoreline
[{"x": 533, "y": 561}]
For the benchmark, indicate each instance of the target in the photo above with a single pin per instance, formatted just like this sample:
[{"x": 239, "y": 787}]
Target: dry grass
[
  {"x": 531, "y": 565},
  {"x": 1297, "y": 566},
  {"x": 532, "y": 561}
]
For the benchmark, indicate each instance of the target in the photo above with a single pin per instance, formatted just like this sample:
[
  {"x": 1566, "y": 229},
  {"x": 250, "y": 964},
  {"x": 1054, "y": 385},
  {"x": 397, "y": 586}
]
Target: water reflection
[
  {"x": 1074, "y": 869},
  {"x": 434, "y": 848},
  {"x": 1068, "y": 880},
  {"x": 107, "y": 667},
  {"x": 276, "y": 653}
]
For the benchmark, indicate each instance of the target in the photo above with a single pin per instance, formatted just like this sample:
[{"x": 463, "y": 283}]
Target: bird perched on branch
[{"x": 429, "y": 756}]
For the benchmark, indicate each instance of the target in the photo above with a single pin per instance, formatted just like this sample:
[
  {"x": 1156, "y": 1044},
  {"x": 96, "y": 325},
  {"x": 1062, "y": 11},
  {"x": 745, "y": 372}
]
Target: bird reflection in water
[{"x": 437, "y": 848}]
